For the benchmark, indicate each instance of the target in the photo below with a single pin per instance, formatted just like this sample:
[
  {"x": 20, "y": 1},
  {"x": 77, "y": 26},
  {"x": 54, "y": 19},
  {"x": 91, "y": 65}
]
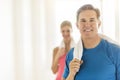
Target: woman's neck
[
  {"x": 67, "y": 45},
  {"x": 67, "y": 41}
]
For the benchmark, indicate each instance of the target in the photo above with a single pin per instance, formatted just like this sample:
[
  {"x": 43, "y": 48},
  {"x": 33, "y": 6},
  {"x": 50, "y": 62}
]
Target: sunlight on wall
[
  {"x": 50, "y": 29},
  {"x": 27, "y": 39},
  {"x": 117, "y": 23},
  {"x": 109, "y": 18},
  {"x": 42, "y": 30},
  {"x": 6, "y": 41}
]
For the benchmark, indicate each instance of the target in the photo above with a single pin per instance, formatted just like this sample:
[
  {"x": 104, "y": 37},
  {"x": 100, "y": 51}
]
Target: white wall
[{"x": 6, "y": 41}]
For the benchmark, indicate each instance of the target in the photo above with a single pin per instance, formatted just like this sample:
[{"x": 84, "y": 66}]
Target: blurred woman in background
[{"x": 59, "y": 52}]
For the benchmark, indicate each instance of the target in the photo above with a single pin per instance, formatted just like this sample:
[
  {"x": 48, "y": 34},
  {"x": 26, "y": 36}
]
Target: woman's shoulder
[{"x": 56, "y": 48}]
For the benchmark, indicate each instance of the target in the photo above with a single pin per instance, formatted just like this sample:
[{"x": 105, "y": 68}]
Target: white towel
[
  {"x": 108, "y": 39},
  {"x": 72, "y": 44},
  {"x": 78, "y": 50}
]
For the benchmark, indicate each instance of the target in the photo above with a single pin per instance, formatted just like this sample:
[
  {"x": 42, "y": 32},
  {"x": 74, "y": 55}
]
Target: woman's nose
[{"x": 65, "y": 33}]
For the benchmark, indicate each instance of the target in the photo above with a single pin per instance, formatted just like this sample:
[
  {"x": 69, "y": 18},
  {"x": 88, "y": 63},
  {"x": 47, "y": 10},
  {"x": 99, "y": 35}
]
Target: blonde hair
[{"x": 66, "y": 23}]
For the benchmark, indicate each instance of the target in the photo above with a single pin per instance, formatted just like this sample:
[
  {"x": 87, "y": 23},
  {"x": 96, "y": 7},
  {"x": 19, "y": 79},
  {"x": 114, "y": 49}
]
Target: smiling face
[
  {"x": 66, "y": 32},
  {"x": 88, "y": 23}
]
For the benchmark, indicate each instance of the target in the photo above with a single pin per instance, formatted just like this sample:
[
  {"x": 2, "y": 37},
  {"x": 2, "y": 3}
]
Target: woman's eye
[
  {"x": 68, "y": 30},
  {"x": 91, "y": 20}
]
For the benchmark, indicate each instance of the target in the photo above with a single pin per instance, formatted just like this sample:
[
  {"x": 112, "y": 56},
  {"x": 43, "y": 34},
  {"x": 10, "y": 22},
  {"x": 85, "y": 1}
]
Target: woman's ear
[{"x": 77, "y": 25}]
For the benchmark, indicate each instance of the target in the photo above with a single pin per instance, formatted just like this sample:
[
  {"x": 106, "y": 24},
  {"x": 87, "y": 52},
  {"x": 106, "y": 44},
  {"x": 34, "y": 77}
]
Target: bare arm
[
  {"x": 54, "y": 66},
  {"x": 57, "y": 53},
  {"x": 62, "y": 79}
]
